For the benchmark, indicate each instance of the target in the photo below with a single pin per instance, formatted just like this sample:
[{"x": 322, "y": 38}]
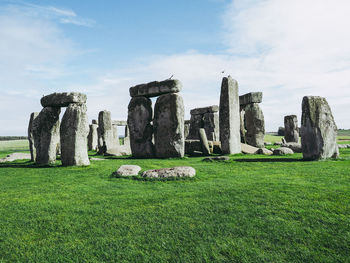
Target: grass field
[{"x": 249, "y": 209}]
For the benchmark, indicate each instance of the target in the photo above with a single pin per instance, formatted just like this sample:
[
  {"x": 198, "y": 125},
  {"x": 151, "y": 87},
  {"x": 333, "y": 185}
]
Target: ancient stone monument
[
  {"x": 31, "y": 136},
  {"x": 318, "y": 129},
  {"x": 229, "y": 117},
  {"x": 207, "y": 118},
  {"x": 291, "y": 131},
  {"x": 252, "y": 119},
  {"x": 124, "y": 148},
  {"x": 93, "y": 137},
  {"x": 168, "y": 121},
  {"x": 187, "y": 128},
  {"x": 46, "y": 129}
]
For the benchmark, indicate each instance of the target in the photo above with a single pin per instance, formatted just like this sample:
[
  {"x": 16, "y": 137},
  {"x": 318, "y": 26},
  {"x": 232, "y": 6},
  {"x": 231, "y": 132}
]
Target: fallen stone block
[{"x": 179, "y": 171}]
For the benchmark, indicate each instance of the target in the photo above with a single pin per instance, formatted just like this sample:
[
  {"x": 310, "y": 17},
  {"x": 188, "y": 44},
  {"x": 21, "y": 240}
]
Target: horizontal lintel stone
[{"x": 156, "y": 88}]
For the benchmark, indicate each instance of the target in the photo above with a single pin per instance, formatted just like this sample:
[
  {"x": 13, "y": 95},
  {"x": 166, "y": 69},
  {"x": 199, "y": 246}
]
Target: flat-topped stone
[
  {"x": 156, "y": 88},
  {"x": 179, "y": 171},
  {"x": 119, "y": 123},
  {"x": 62, "y": 99},
  {"x": 251, "y": 97},
  {"x": 209, "y": 109}
]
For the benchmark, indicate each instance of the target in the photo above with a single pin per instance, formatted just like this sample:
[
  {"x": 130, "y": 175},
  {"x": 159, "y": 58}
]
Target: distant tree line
[{"x": 11, "y": 138}]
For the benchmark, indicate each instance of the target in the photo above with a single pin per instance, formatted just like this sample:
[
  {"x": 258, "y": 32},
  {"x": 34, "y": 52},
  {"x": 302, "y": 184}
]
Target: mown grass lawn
[{"x": 249, "y": 209}]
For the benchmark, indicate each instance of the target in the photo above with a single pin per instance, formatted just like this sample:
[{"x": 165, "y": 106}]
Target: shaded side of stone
[
  {"x": 156, "y": 88},
  {"x": 291, "y": 132},
  {"x": 32, "y": 148},
  {"x": 255, "y": 125},
  {"x": 204, "y": 142},
  {"x": 105, "y": 130},
  {"x": 169, "y": 126},
  {"x": 251, "y": 97},
  {"x": 63, "y": 99},
  {"x": 74, "y": 132}
]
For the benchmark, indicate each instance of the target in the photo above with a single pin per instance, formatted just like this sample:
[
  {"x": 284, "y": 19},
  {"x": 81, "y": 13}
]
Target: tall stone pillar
[
  {"x": 255, "y": 125},
  {"x": 93, "y": 137},
  {"x": 74, "y": 131},
  {"x": 32, "y": 148},
  {"x": 318, "y": 129},
  {"x": 291, "y": 132},
  {"x": 46, "y": 134},
  {"x": 140, "y": 115},
  {"x": 105, "y": 130},
  {"x": 229, "y": 117},
  {"x": 168, "y": 126}
]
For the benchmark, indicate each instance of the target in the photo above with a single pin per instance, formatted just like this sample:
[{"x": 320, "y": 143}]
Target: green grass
[
  {"x": 249, "y": 209},
  {"x": 15, "y": 145}
]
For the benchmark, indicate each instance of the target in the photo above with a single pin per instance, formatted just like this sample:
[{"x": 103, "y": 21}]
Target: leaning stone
[
  {"x": 211, "y": 126},
  {"x": 93, "y": 137},
  {"x": 31, "y": 136},
  {"x": 255, "y": 125},
  {"x": 282, "y": 151},
  {"x": 296, "y": 147},
  {"x": 140, "y": 115},
  {"x": 252, "y": 97},
  {"x": 128, "y": 170},
  {"x": 229, "y": 117},
  {"x": 74, "y": 131},
  {"x": 62, "y": 99},
  {"x": 201, "y": 111},
  {"x": 46, "y": 134},
  {"x": 179, "y": 171},
  {"x": 156, "y": 88},
  {"x": 248, "y": 149},
  {"x": 264, "y": 151},
  {"x": 291, "y": 133},
  {"x": 204, "y": 142},
  {"x": 218, "y": 158},
  {"x": 318, "y": 130},
  {"x": 168, "y": 125}
]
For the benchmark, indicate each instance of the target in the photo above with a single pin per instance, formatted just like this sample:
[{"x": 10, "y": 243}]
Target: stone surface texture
[
  {"x": 204, "y": 142},
  {"x": 179, "y": 171},
  {"x": 203, "y": 110},
  {"x": 140, "y": 116},
  {"x": 93, "y": 137},
  {"x": 74, "y": 131},
  {"x": 128, "y": 170},
  {"x": 46, "y": 133},
  {"x": 249, "y": 98},
  {"x": 255, "y": 125},
  {"x": 186, "y": 128},
  {"x": 291, "y": 131},
  {"x": 229, "y": 117},
  {"x": 32, "y": 148},
  {"x": 282, "y": 151},
  {"x": 168, "y": 124},
  {"x": 264, "y": 151},
  {"x": 105, "y": 130},
  {"x": 296, "y": 147},
  {"x": 156, "y": 88},
  {"x": 63, "y": 99},
  {"x": 248, "y": 149},
  {"x": 318, "y": 129}
]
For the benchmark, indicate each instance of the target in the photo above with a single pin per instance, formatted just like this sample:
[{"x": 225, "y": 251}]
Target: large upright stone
[
  {"x": 46, "y": 134},
  {"x": 105, "y": 130},
  {"x": 31, "y": 136},
  {"x": 291, "y": 132},
  {"x": 156, "y": 88},
  {"x": 211, "y": 126},
  {"x": 187, "y": 128},
  {"x": 62, "y": 99},
  {"x": 74, "y": 131},
  {"x": 251, "y": 97},
  {"x": 229, "y": 117},
  {"x": 318, "y": 129},
  {"x": 140, "y": 116},
  {"x": 255, "y": 125},
  {"x": 93, "y": 137},
  {"x": 169, "y": 126}
]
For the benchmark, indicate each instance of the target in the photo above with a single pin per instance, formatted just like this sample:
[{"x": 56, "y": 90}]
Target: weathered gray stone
[
  {"x": 139, "y": 122},
  {"x": 74, "y": 131},
  {"x": 63, "y": 99},
  {"x": 280, "y": 131},
  {"x": 229, "y": 117},
  {"x": 291, "y": 132},
  {"x": 179, "y": 171},
  {"x": 201, "y": 111},
  {"x": 264, "y": 151},
  {"x": 318, "y": 130},
  {"x": 107, "y": 142},
  {"x": 248, "y": 149},
  {"x": 168, "y": 125},
  {"x": 93, "y": 137},
  {"x": 211, "y": 126},
  {"x": 31, "y": 136},
  {"x": 255, "y": 125},
  {"x": 218, "y": 158},
  {"x": 186, "y": 128},
  {"x": 119, "y": 123},
  {"x": 204, "y": 142},
  {"x": 128, "y": 170},
  {"x": 46, "y": 134},
  {"x": 251, "y": 97},
  {"x": 115, "y": 135},
  {"x": 196, "y": 124},
  {"x": 156, "y": 88},
  {"x": 192, "y": 145},
  {"x": 282, "y": 151},
  {"x": 296, "y": 147}
]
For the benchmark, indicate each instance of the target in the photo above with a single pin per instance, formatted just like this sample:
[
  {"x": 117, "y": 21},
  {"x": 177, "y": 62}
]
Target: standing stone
[
  {"x": 93, "y": 137},
  {"x": 255, "y": 125},
  {"x": 105, "y": 130},
  {"x": 211, "y": 126},
  {"x": 318, "y": 129},
  {"x": 46, "y": 134},
  {"x": 169, "y": 126},
  {"x": 229, "y": 117},
  {"x": 115, "y": 135},
  {"x": 74, "y": 132},
  {"x": 204, "y": 141},
  {"x": 140, "y": 115},
  {"x": 187, "y": 128},
  {"x": 207, "y": 118},
  {"x": 31, "y": 136},
  {"x": 291, "y": 133},
  {"x": 196, "y": 123}
]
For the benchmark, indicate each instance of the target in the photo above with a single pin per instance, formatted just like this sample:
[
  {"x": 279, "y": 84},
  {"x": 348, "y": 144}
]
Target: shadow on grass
[
  {"x": 147, "y": 179},
  {"x": 270, "y": 160},
  {"x": 27, "y": 164}
]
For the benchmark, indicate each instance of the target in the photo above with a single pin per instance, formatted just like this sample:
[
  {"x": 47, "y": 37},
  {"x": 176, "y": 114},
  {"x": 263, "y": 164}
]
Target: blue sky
[{"x": 287, "y": 49}]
